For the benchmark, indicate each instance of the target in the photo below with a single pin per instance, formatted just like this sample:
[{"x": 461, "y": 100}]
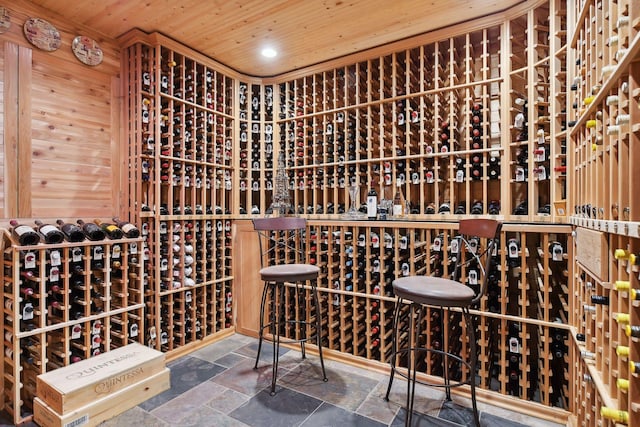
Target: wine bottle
[
  {"x": 614, "y": 414},
  {"x": 621, "y": 318},
  {"x": 624, "y": 254},
  {"x": 91, "y": 230},
  {"x": 50, "y": 232},
  {"x": 129, "y": 230},
  {"x": 622, "y": 351},
  {"x": 372, "y": 204},
  {"x": 600, "y": 299},
  {"x": 25, "y": 234},
  {"x": 110, "y": 230},
  {"x": 398, "y": 204},
  {"x": 72, "y": 232},
  {"x": 623, "y": 384},
  {"x": 621, "y": 285},
  {"x": 587, "y": 355},
  {"x": 632, "y": 331}
]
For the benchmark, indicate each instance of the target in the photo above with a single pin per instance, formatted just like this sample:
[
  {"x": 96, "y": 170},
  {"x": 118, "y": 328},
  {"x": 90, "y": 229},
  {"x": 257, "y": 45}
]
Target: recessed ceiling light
[{"x": 268, "y": 52}]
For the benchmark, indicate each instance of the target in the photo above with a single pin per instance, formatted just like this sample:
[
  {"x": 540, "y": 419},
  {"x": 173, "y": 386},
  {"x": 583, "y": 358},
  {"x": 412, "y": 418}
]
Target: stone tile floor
[{"x": 217, "y": 386}]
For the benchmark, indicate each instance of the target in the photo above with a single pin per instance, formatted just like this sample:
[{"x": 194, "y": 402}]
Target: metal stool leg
[
  {"x": 316, "y": 301},
  {"x": 472, "y": 363},
  {"x": 413, "y": 363},
  {"x": 445, "y": 360},
  {"x": 394, "y": 346},
  {"x": 301, "y": 331},
  {"x": 265, "y": 292},
  {"x": 276, "y": 306}
]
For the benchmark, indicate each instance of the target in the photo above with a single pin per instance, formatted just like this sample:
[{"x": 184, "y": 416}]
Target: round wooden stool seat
[
  {"x": 289, "y": 273},
  {"x": 433, "y": 291}
]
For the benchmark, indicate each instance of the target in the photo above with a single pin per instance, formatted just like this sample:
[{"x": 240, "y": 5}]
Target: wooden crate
[
  {"x": 78, "y": 384},
  {"x": 105, "y": 407}
]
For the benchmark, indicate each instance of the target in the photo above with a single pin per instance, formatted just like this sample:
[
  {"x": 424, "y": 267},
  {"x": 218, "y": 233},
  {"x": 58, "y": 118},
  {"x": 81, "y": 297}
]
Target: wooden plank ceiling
[{"x": 304, "y": 32}]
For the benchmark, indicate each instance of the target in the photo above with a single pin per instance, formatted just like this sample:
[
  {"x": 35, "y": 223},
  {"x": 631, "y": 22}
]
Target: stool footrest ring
[{"x": 446, "y": 354}]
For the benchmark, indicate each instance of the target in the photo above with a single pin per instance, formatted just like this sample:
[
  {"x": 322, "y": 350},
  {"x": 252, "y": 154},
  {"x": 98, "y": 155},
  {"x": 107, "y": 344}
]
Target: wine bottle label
[
  {"x": 54, "y": 274},
  {"x": 54, "y": 258},
  {"x": 473, "y": 277},
  {"x": 375, "y": 240},
  {"x": 133, "y": 248},
  {"x": 128, "y": 227},
  {"x": 29, "y": 260},
  {"x": 437, "y": 244},
  {"x": 115, "y": 252},
  {"x": 76, "y": 332},
  {"x": 513, "y": 250},
  {"x": 133, "y": 330},
  {"x": 514, "y": 345},
  {"x": 22, "y": 229},
  {"x": 95, "y": 342},
  {"x": 27, "y": 311},
  {"x": 403, "y": 242},
  {"x": 372, "y": 206},
  {"x": 76, "y": 254},
  {"x": 96, "y": 327},
  {"x": 46, "y": 229}
]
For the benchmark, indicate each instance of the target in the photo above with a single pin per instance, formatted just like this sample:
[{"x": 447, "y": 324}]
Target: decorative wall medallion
[
  {"x": 87, "y": 50},
  {"x": 42, "y": 34}
]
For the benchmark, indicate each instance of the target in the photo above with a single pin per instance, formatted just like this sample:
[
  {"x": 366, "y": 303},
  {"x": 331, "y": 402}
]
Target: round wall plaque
[
  {"x": 87, "y": 50},
  {"x": 42, "y": 34}
]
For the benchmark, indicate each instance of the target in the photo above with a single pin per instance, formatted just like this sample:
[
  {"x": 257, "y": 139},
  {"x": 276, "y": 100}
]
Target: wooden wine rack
[
  {"x": 603, "y": 63},
  {"x": 201, "y": 134},
  {"x": 183, "y": 187},
  {"x": 523, "y": 321},
  {"x": 87, "y": 298},
  {"x": 432, "y": 120}
]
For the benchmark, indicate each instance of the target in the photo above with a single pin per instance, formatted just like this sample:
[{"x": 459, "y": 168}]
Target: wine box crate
[
  {"x": 76, "y": 385},
  {"x": 105, "y": 407}
]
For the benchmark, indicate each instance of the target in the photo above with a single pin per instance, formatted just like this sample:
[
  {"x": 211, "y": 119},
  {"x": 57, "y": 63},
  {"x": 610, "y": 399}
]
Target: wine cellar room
[{"x": 307, "y": 213}]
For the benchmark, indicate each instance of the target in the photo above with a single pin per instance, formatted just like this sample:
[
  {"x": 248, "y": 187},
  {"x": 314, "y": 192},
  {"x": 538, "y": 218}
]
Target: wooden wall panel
[
  {"x": 71, "y": 140},
  {"x": 68, "y": 132},
  {"x": 2, "y": 158}
]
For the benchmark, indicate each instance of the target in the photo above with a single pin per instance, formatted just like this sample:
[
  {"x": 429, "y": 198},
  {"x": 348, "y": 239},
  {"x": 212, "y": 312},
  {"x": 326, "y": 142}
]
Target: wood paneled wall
[
  {"x": 2, "y": 133},
  {"x": 60, "y": 125}
]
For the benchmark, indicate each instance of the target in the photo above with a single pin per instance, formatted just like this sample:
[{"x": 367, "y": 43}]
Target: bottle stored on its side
[
  {"x": 623, "y": 254},
  {"x": 91, "y": 230},
  {"x": 129, "y": 230},
  {"x": 72, "y": 232},
  {"x": 50, "y": 232},
  {"x": 614, "y": 414},
  {"x": 110, "y": 230},
  {"x": 600, "y": 299},
  {"x": 25, "y": 234}
]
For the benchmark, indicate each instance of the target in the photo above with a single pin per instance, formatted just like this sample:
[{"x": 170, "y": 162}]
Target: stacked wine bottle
[{"x": 70, "y": 291}]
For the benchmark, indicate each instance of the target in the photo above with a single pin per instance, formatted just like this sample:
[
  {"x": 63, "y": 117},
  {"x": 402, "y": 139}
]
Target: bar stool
[
  {"x": 283, "y": 238},
  {"x": 422, "y": 291}
]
